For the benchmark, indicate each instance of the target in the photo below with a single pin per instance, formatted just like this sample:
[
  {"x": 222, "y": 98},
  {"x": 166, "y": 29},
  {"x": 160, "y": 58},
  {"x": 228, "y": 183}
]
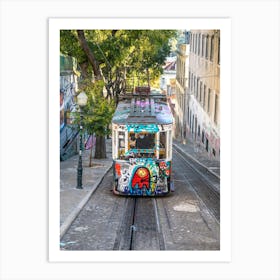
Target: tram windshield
[
  {"x": 142, "y": 140},
  {"x": 141, "y": 145}
]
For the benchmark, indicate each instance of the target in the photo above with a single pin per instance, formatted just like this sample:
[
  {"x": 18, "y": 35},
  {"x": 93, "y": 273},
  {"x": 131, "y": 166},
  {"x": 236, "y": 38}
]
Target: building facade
[
  {"x": 203, "y": 112},
  {"x": 169, "y": 74},
  {"x": 182, "y": 78},
  {"x": 68, "y": 88}
]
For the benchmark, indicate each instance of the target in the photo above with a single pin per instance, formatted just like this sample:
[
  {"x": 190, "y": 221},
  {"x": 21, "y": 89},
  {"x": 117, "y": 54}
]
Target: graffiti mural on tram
[{"x": 142, "y": 144}]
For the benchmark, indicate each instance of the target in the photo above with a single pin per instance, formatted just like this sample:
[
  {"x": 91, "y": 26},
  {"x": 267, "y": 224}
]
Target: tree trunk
[
  {"x": 108, "y": 128},
  {"x": 94, "y": 63},
  {"x": 90, "y": 154},
  {"x": 84, "y": 66},
  {"x": 100, "y": 147}
]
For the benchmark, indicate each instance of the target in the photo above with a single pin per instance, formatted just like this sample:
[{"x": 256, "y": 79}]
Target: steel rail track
[
  {"x": 140, "y": 226},
  {"x": 211, "y": 178},
  {"x": 203, "y": 186},
  {"x": 199, "y": 164}
]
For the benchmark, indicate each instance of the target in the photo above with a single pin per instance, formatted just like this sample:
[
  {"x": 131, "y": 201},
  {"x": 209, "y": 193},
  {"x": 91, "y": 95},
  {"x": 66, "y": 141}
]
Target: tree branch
[{"x": 94, "y": 63}]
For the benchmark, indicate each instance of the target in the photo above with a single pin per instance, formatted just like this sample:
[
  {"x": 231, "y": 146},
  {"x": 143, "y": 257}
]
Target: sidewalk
[
  {"x": 199, "y": 153},
  {"x": 72, "y": 200}
]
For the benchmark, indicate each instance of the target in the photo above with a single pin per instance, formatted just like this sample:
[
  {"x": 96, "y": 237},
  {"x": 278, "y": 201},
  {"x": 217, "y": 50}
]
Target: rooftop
[{"x": 143, "y": 109}]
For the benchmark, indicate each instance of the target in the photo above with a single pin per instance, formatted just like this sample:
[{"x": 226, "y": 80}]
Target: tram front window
[
  {"x": 142, "y": 144},
  {"x": 145, "y": 141}
]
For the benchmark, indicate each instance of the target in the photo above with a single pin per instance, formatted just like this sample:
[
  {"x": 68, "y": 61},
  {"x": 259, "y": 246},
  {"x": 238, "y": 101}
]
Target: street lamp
[{"x": 82, "y": 101}]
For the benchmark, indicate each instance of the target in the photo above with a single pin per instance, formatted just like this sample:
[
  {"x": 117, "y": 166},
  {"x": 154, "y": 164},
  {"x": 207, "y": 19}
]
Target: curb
[
  {"x": 69, "y": 220},
  {"x": 194, "y": 159}
]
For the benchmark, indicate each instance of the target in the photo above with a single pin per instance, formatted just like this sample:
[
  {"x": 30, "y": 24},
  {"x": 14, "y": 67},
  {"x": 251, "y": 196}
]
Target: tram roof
[{"x": 144, "y": 109}]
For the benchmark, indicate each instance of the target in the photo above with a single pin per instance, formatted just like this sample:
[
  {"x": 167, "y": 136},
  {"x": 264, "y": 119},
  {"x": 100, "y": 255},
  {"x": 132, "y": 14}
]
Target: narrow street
[{"x": 187, "y": 219}]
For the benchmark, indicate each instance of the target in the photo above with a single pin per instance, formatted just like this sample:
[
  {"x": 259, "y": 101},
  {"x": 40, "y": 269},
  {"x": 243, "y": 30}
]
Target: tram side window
[
  {"x": 162, "y": 145},
  {"x": 121, "y": 146},
  {"x": 169, "y": 148}
]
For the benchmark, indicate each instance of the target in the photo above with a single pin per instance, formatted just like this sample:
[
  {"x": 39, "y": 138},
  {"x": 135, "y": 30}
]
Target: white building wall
[
  {"x": 204, "y": 89},
  {"x": 165, "y": 79},
  {"x": 181, "y": 101}
]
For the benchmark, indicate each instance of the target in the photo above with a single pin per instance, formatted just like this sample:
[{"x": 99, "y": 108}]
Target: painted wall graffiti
[{"x": 142, "y": 176}]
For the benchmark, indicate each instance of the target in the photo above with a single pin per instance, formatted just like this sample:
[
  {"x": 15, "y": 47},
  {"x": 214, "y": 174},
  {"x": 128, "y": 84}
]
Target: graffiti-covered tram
[{"x": 142, "y": 145}]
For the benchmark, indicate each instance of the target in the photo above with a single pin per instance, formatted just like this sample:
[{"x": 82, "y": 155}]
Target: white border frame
[
  {"x": 255, "y": 155},
  {"x": 224, "y": 254}
]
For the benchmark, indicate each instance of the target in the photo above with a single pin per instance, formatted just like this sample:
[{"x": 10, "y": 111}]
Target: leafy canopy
[
  {"x": 98, "y": 112},
  {"x": 137, "y": 51}
]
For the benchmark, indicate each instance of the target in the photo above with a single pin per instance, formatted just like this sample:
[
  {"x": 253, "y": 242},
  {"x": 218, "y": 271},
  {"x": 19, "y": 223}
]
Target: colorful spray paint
[
  {"x": 142, "y": 176},
  {"x": 142, "y": 167}
]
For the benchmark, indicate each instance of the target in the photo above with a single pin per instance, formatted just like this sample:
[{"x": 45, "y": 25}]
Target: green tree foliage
[
  {"x": 109, "y": 58},
  {"x": 121, "y": 54},
  {"x": 69, "y": 45},
  {"x": 99, "y": 111},
  {"x": 97, "y": 115}
]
